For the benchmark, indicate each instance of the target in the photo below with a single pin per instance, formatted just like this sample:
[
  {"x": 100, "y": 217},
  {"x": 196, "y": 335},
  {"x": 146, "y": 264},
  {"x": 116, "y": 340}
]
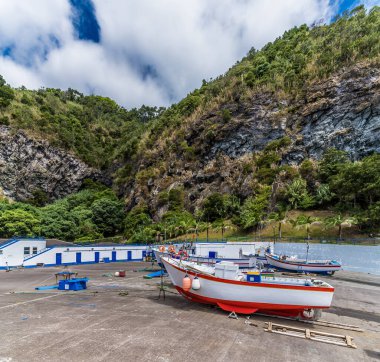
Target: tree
[
  {"x": 18, "y": 223},
  {"x": 304, "y": 222},
  {"x": 39, "y": 198},
  {"x": 308, "y": 172},
  {"x": 331, "y": 163},
  {"x": 107, "y": 215},
  {"x": 180, "y": 222},
  {"x": 232, "y": 206},
  {"x": 56, "y": 221},
  {"x": 340, "y": 222},
  {"x": 279, "y": 217},
  {"x": 298, "y": 195},
  {"x": 86, "y": 228},
  {"x": 252, "y": 211},
  {"x": 185, "y": 225},
  {"x": 143, "y": 235},
  {"x": 323, "y": 194},
  {"x": 6, "y": 94},
  {"x": 223, "y": 225},
  {"x": 207, "y": 226},
  {"x": 198, "y": 224},
  {"x": 136, "y": 220},
  {"x": 358, "y": 183},
  {"x": 175, "y": 199},
  {"x": 214, "y": 207}
]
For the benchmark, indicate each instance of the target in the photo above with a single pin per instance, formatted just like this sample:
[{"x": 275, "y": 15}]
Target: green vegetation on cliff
[
  {"x": 350, "y": 189},
  {"x": 286, "y": 66},
  {"x": 93, "y": 128},
  {"x": 156, "y": 156}
]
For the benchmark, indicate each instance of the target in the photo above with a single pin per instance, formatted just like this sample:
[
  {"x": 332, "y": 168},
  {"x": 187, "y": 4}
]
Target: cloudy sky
[{"x": 141, "y": 51}]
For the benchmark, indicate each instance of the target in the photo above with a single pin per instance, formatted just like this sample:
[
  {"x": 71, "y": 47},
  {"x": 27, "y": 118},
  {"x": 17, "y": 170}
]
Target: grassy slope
[{"x": 317, "y": 231}]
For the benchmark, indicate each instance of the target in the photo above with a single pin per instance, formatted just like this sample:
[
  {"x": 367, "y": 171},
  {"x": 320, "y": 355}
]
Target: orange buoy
[
  {"x": 186, "y": 283},
  {"x": 161, "y": 248},
  {"x": 171, "y": 249}
]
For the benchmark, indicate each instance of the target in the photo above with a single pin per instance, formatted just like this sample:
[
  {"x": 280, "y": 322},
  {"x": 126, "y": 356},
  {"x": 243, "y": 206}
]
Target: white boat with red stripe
[
  {"x": 302, "y": 265},
  {"x": 293, "y": 297}
]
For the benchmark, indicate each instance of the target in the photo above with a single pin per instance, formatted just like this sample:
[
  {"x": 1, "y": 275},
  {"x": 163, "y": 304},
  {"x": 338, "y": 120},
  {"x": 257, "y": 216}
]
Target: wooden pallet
[
  {"x": 324, "y": 323},
  {"x": 319, "y": 322},
  {"x": 337, "y": 339}
]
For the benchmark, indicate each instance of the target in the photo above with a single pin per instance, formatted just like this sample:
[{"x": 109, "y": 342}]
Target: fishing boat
[
  {"x": 244, "y": 261},
  {"x": 303, "y": 265},
  {"x": 227, "y": 287}
]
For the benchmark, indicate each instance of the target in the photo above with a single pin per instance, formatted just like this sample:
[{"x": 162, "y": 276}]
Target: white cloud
[
  {"x": 17, "y": 75},
  {"x": 90, "y": 68},
  {"x": 33, "y": 26},
  {"x": 183, "y": 41}
]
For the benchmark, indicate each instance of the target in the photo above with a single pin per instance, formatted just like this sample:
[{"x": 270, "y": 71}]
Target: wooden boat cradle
[
  {"x": 319, "y": 322},
  {"x": 336, "y": 339}
]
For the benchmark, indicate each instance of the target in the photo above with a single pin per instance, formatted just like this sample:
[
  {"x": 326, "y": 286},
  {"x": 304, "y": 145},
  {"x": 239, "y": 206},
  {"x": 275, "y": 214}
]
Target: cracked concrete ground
[{"x": 121, "y": 319}]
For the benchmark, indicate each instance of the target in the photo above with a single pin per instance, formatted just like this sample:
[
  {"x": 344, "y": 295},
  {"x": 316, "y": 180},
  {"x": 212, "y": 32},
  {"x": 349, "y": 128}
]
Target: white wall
[
  {"x": 231, "y": 249},
  {"x": 12, "y": 254},
  {"x": 69, "y": 254}
]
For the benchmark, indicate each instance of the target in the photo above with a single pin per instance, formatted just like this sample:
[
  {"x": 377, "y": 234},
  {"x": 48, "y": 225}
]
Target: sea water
[{"x": 358, "y": 258}]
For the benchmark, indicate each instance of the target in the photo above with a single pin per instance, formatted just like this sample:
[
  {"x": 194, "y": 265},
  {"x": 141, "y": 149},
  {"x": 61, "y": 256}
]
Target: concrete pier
[{"x": 121, "y": 319}]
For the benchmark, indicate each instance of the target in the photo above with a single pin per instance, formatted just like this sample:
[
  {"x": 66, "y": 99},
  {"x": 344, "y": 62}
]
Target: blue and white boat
[{"x": 303, "y": 265}]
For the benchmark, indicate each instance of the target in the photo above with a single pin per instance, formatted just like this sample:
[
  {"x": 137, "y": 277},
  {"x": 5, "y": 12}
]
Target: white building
[
  {"x": 34, "y": 252},
  {"x": 231, "y": 249}
]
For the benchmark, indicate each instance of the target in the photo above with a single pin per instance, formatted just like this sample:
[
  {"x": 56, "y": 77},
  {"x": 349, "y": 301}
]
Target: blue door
[
  {"x": 212, "y": 254},
  {"x": 114, "y": 256},
  {"x": 97, "y": 256},
  {"x": 79, "y": 258},
  {"x": 129, "y": 255},
  {"x": 58, "y": 258}
]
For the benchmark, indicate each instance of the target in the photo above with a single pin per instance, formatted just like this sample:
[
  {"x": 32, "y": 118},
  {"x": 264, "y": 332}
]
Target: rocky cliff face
[
  {"x": 28, "y": 165},
  {"x": 342, "y": 112},
  {"x": 210, "y": 153}
]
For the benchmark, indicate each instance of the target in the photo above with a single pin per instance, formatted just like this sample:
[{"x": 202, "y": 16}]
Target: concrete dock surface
[{"x": 121, "y": 319}]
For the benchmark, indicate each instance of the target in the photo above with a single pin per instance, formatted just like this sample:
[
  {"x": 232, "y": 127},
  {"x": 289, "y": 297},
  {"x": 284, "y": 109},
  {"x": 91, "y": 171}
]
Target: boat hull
[
  {"x": 303, "y": 267},
  {"x": 248, "y": 298}
]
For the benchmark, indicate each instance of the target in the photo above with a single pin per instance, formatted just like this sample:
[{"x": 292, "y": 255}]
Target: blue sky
[
  {"x": 345, "y": 5},
  {"x": 142, "y": 52},
  {"x": 84, "y": 20}
]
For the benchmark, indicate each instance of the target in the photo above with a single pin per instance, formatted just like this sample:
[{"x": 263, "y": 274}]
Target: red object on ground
[{"x": 122, "y": 273}]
